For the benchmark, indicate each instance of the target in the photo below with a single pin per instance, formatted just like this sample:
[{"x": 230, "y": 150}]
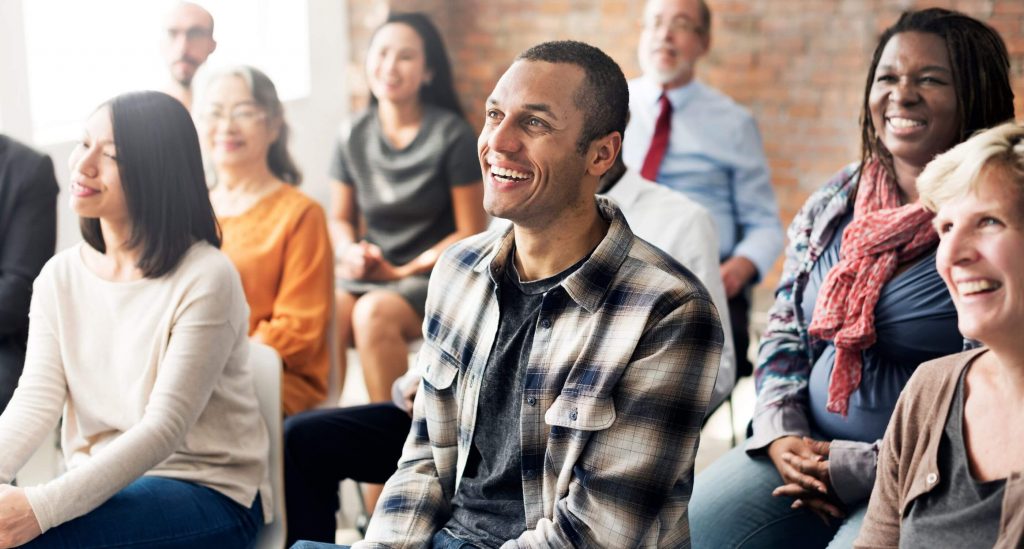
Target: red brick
[
  {"x": 1008, "y": 7},
  {"x": 799, "y": 65}
]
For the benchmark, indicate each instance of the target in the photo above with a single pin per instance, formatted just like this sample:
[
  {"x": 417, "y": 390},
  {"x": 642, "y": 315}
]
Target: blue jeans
[
  {"x": 732, "y": 506},
  {"x": 442, "y": 540},
  {"x": 157, "y": 512}
]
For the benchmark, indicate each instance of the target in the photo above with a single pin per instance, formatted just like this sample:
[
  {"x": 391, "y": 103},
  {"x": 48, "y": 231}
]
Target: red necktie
[{"x": 659, "y": 143}]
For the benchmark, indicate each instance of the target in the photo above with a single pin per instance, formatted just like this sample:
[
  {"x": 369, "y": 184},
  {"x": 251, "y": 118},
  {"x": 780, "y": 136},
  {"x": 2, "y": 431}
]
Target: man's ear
[{"x": 602, "y": 153}]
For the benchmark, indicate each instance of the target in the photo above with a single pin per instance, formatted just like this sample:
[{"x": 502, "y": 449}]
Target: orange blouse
[{"x": 282, "y": 251}]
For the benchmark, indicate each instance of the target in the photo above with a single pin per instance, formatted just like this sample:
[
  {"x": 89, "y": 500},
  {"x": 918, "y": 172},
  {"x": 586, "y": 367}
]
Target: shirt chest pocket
[
  {"x": 581, "y": 412},
  {"x": 439, "y": 367}
]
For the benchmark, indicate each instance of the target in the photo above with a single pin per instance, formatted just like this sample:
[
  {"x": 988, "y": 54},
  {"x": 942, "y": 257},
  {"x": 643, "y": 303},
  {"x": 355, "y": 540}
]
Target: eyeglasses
[
  {"x": 243, "y": 116},
  {"x": 192, "y": 34},
  {"x": 676, "y": 25}
]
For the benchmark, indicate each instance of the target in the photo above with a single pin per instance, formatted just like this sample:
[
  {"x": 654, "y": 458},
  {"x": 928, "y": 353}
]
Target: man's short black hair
[{"x": 603, "y": 98}]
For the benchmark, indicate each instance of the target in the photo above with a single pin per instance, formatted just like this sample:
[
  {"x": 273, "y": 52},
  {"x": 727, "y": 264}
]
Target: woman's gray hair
[
  {"x": 955, "y": 173},
  {"x": 264, "y": 93}
]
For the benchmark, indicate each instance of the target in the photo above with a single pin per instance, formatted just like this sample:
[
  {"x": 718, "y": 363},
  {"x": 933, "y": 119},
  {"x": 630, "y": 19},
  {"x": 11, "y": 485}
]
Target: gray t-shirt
[
  {"x": 405, "y": 194},
  {"x": 488, "y": 509},
  {"x": 960, "y": 511}
]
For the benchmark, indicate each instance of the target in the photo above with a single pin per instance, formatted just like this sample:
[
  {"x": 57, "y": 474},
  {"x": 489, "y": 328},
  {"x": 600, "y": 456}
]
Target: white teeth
[
  {"x": 977, "y": 286},
  {"x": 904, "y": 123},
  {"x": 507, "y": 173}
]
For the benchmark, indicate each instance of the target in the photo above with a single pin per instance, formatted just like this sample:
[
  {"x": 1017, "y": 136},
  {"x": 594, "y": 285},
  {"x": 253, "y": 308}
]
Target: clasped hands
[
  {"x": 18, "y": 524},
  {"x": 365, "y": 261},
  {"x": 803, "y": 464}
]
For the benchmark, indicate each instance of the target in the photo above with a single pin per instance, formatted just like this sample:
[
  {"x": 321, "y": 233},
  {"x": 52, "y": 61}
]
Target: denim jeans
[
  {"x": 442, "y": 540},
  {"x": 732, "y": 506},
  {"x": 157, "y": 512}
]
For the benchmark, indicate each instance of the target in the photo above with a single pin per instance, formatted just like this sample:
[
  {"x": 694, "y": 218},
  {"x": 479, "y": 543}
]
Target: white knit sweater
[{"x": 152, "y": 379}]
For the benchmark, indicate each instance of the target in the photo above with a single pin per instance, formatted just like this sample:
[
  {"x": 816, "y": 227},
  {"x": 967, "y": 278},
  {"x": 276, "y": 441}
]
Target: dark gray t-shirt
[
  {"x": 488, "y": 509},
  {"x": 960, "y": 511},
  {"x": 405, "y": 194}
]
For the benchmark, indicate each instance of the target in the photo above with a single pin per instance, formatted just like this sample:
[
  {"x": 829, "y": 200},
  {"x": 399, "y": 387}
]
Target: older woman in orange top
[{"x": 275, "y": 235}]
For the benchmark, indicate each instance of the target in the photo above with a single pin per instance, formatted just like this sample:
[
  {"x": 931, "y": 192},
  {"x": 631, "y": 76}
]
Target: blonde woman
[{"x": 950, "y": 472}]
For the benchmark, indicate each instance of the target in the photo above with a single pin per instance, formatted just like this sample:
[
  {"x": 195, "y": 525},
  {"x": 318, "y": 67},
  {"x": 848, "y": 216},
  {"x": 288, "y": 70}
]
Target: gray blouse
[{"x": 404, "y": 195}]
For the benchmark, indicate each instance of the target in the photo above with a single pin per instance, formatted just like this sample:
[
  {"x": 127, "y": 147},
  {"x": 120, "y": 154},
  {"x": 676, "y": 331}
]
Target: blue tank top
[{"x": 915, "y": 321}]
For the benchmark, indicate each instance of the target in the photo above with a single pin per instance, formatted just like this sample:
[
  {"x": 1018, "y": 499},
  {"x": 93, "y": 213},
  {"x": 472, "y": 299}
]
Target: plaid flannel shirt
[{"x": 620, "y": 372}]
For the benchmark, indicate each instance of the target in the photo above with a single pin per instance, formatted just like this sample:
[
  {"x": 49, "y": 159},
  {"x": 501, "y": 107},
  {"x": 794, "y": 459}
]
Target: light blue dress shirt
[{"x": 715, "y": 157}]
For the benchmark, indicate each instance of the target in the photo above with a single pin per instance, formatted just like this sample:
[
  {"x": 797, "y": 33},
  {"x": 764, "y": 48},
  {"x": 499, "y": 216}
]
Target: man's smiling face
[{"x": 528, "y": 147}]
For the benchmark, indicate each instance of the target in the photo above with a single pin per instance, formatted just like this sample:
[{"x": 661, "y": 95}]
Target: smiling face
[
  {"x": 912, "y": 100},
  {"x": 188, "y": 42},
  {"x": 981, "y": 256},
  {"x": 533, "y": 171},
  {"x": 95, "y": 186},
  {"x": 396, "y": 66},
  {"x": 672, "y": 40},
  {"x": 235, "y": 130}
]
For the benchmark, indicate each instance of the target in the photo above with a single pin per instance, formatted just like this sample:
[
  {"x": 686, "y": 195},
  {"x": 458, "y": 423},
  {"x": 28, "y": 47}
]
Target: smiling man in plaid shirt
[{"x": 567, "y": 364}]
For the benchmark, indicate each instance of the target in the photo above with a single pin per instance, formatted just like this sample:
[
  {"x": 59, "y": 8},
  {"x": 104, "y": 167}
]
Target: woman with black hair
[
  {"x": 860, "y": 304},
  {"x": 407, "y": 185},
  {"x": 139, "y": 336}
]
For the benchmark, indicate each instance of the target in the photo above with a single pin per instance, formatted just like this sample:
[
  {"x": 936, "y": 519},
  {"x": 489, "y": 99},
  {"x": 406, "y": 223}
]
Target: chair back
[
  {"x": 266, "y": 371},
  {"x": 334, "y": 380}
]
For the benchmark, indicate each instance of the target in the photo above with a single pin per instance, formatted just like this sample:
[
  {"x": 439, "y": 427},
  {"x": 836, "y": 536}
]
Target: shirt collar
[
  {"x": 588, "y": 285},
  {"x": 651, "y": 92}
]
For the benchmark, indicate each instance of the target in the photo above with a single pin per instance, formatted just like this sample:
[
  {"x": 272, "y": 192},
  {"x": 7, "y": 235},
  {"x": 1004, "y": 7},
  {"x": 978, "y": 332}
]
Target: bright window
[{"x": 83, "y": 53}]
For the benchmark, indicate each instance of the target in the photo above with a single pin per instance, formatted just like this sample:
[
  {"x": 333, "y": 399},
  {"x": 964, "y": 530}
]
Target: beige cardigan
[
  {"x": 152, "y": 379},
  {"x": 908, "y": 460}
]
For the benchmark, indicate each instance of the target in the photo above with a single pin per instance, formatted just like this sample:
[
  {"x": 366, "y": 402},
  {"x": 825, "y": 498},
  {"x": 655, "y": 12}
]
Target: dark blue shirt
[{"x": 915, "y": 321}]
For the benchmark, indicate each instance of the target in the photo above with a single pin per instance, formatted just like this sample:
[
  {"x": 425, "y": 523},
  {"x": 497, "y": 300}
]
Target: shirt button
[
  {"x": 572, "y": 415},
  {"x": 545, "y": 323},
  {"x": 932, "y": 477},
  {"x": 531, "y": 401}
]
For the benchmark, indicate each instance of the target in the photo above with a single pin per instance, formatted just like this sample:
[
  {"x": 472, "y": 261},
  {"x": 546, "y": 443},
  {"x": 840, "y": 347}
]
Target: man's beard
[
  {"x": 185, "y": 78},
  {"x": 665, "y": 75}
]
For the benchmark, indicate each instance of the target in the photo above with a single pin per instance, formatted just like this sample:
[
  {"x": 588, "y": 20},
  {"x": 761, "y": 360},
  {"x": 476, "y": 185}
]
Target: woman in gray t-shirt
[{"x": 408, "y": 185}]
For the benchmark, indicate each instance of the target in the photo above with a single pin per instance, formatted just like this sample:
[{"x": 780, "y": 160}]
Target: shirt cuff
[
  {"x": 774, "y": 423},
  {"x": 37, "y": 501},
  {"x": 761, "y": 254},
  {"x": 851, "y": 468}
]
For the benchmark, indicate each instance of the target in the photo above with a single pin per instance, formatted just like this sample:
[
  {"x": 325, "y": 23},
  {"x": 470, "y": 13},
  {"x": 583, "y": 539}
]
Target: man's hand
[
  {"x": 737, "y": 272},
  {"x": 803, "y": 465},
  {"x": 18, "y": 524},
  {"x": 409, "y": 395}
]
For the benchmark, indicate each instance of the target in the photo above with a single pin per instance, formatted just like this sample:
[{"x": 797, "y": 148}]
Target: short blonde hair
[{"x": 955, "y": 173}]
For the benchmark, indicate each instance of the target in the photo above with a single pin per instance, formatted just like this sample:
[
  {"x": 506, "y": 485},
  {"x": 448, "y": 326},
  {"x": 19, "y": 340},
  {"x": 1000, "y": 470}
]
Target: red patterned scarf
[{"x": 882, "y": 236}]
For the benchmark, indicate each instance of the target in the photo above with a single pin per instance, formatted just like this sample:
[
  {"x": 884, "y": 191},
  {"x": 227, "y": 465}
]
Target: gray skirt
[{"x": 412, "y": 288}]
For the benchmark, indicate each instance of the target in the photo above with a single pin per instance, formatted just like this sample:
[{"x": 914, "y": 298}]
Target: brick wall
[{"x": 799, "y": 65}]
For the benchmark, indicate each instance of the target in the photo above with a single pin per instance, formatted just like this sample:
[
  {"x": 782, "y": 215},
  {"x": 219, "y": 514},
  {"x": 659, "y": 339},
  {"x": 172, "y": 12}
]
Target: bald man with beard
[{"x": 187, "y": 42}]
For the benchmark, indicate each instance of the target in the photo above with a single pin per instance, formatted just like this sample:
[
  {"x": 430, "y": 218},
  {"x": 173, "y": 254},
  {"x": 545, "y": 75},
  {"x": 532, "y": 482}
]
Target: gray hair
[{"x": 280, "y": 161}]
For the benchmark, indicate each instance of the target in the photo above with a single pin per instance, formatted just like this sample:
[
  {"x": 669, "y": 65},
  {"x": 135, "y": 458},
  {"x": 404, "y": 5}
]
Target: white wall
[{"x": 314, "y": 119}]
